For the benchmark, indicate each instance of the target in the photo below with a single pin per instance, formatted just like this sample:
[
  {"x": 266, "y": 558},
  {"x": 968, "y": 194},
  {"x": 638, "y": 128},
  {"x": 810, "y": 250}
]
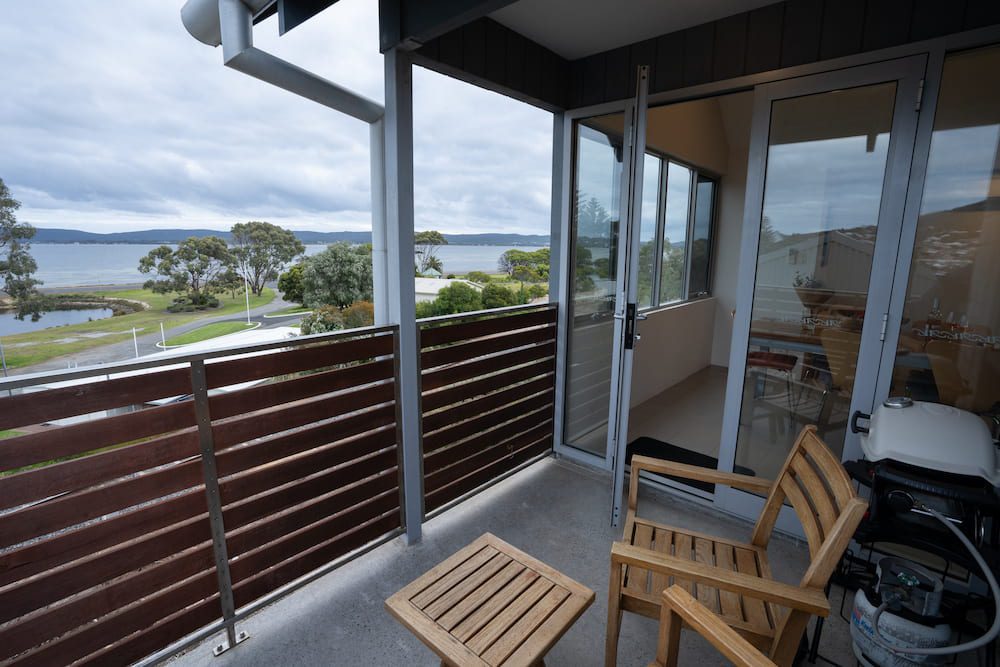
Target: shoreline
[{"x": 82, "y": 289}]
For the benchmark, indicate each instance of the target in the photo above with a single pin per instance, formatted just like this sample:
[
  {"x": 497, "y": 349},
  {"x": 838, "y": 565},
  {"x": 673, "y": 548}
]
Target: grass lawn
[
  {"x": 213, "y": 330},
  {"x": 37, "y": 346},
  {"x": 9, "y": 434}
]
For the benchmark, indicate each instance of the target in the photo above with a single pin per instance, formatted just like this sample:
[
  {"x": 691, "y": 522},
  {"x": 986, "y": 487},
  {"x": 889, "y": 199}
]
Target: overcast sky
[{"x": 113, "y": 118}]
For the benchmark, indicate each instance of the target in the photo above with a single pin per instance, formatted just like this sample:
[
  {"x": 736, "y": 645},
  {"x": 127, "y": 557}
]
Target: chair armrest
[
  {"x": 662, "y": 467},
  {"x": 794, "y": 597},
  {"x": 700, "y": 619}
]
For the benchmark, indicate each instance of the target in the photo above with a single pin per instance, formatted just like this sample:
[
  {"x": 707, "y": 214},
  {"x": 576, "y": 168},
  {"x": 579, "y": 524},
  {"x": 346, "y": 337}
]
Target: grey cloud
[{"x": 119, "y": 118}]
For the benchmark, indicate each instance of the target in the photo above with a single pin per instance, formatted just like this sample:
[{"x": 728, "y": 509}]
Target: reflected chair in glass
[{"x": 734, "y": 578}]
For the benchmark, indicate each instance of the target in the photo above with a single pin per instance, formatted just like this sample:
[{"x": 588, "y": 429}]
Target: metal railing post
[{"x": 199, "y": 386}]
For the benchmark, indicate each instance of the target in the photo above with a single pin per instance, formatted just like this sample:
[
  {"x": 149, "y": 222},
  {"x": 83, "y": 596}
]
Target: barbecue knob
[{"x": 897, "y": 402}]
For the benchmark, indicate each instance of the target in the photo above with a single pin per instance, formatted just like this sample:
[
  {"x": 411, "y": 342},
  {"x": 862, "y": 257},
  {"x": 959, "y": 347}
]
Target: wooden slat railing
[
  {"x": 106, "y": 547},
  {"x": 487, "y": 397}
]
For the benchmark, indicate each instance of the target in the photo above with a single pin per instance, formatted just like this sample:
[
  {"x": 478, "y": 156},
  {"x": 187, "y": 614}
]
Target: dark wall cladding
[{"x": 784, "y": 34}]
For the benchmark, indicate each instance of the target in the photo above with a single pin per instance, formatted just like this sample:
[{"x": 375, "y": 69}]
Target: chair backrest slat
[
  {"x": 816, "y": 490},
  {"x": 807, "y": 517}
]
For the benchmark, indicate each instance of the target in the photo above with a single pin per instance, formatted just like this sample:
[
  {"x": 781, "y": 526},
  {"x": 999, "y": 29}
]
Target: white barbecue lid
[{"x": 935, "y": 436}]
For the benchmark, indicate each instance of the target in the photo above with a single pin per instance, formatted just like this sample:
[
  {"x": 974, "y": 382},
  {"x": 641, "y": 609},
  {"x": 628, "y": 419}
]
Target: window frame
[{"x": 695, "y": 173}]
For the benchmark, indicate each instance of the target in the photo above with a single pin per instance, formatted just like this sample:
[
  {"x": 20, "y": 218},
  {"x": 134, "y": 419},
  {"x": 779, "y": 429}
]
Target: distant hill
[{"x": 47, "y": 235}]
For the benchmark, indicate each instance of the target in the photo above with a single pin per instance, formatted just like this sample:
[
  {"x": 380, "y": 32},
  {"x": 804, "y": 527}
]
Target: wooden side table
[{"x": 490, "y": 604}]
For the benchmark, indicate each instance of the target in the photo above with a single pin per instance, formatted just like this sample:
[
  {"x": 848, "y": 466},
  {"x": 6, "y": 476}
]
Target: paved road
[{"x": 125, "y": 350}]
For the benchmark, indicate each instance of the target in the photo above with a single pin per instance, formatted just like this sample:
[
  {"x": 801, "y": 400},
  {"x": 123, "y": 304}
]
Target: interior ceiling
[{"x": 578, "y": 28}]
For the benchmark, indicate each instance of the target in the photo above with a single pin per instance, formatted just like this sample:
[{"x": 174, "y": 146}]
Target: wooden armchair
[
  {"x": 731, "y": 578},
  {"x": 679, "y": 608}
]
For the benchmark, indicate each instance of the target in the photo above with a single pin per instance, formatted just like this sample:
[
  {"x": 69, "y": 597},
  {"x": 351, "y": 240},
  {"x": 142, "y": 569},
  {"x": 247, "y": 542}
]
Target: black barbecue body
[{"x": 973, "y": 501}]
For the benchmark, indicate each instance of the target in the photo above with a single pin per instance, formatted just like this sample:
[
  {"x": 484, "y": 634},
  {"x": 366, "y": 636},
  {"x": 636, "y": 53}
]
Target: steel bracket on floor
[{"x": 241, "y": 637}]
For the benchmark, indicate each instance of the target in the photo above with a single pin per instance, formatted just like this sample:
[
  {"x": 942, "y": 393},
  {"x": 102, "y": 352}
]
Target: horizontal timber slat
[
  {"x": 444, "y": 457},
  {"x": 480, "y": 405},
  {"x": 247, "y": 400},
  {"x": 283, "y": 418},
  {"x": 163, "y": 633},
  {"x": 448, "y": 493},
  {"x": 484, "y": 457},
  {"x": 440, "y": 398},
  {"x": 263, "y": 506},
  {"x": 243, "y": 486},
  {"x": 60, "y": 441},
  {"x": 109, "y": 555},
  {"x": 287, "y": 521},
  {"x": 488, "y": 326},
  {"x": 74, "y": 508},
  {"x": 196, "y": 591},
  {"x": 464, "y": 351},
  {"x": 288, "y": 546},
  {"x": 260, "y": 366},
  {"x": 266, "y": 450},
  {"x": 480, "y": 425},
  {"x": 51, "y": 404},
  {"x": 96, "y": 469},
  {"x": 49, "y": 587},
  {"x": 82, "y": 609},
  {"x": 470, "y": 370},
  {"x": 52, "y": 552},
  {"x": 293, "y": 568}
]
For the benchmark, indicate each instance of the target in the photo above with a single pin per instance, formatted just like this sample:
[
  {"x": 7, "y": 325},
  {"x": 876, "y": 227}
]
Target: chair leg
[
  {"x": 669, "y": 640},
  {"x": 614, "y": 615}
]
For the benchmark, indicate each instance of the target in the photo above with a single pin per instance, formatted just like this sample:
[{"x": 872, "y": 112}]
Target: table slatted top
[{"x": 490, "y": 604}]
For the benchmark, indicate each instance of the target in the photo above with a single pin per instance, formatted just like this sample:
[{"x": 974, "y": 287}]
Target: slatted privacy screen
[
  {"x": 106, "y": 552},
  {"x": 487, "y": 393}
]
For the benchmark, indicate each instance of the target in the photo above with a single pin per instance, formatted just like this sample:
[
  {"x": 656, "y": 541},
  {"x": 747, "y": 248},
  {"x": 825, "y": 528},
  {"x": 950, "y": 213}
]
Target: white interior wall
[
  {"x": 680, "y": 340},
  {"x": 675, "y": 344},
  {"x": 735, "y": 111}
]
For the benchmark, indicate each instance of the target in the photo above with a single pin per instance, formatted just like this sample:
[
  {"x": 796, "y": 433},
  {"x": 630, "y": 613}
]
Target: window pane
[
  {"x": 597, "y": 175},
  {"x": 701, "y": 242},
  {"x": 647, "y": 230},
  {"x": 949, "y": 343},
  {"x": 675, "y": 233}
]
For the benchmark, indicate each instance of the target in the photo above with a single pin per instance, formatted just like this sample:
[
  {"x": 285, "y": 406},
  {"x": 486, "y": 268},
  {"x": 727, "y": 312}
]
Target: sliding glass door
[{"x": 825, "y": 198}]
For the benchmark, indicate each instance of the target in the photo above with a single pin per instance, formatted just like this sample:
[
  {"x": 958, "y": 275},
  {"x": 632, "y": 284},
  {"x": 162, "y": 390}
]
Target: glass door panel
[
  {"x": 826, "y": 163},
  {"x": 949, "y": 339},
  {"x": 595, "y": 215}
]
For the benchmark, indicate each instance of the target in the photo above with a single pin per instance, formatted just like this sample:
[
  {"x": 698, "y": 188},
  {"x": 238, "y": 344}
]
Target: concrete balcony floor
[{"x": 554, "y": 510}]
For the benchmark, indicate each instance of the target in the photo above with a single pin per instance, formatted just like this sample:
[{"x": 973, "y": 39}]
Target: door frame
[
  {"x": 935, "y": 49},
  {"x": 626, "y": 286},
  {"x": 908, "y": 73}
]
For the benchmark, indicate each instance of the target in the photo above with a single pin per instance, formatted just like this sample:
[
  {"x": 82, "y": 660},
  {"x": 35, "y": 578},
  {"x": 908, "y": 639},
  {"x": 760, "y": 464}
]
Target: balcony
[
  {"x": 146, "y": 501},
  {"x": 174, "y": 506}
]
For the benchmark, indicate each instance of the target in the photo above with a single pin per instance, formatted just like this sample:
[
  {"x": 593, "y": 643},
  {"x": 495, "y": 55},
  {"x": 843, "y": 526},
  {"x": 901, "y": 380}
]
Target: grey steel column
[
  {"x": 559, "y": 265},
  {"x": 402, "y": 303},
  {"x": 199, "y": 386}
]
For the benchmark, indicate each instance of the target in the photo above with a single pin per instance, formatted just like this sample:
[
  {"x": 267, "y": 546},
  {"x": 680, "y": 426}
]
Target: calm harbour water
[
  {"x": 78, "y": 265},
  {"x": 10, "y": 325}
]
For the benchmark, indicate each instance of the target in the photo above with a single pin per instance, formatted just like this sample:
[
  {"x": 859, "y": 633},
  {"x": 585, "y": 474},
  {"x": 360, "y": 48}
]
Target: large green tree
[
  {"x": 425, "y": 247},
  {"x": 16, "y": 263},
  {"x": 260, "y": 249},
  {"x": 524, "y": 265},
  {"x": 338, "y": 276},
  {"x": 290, "y": 283},
  {"x": 194, "y": 268},
  {"x": 457, "y": 297}
]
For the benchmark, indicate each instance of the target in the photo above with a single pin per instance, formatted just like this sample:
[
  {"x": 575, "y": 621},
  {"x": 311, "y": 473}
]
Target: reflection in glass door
[
  {"x": 826, "y": 160},
  {"x": 949, "y": 338},
  {"x": 597, "y": 183},
  {"x": 825, "y": 197}
]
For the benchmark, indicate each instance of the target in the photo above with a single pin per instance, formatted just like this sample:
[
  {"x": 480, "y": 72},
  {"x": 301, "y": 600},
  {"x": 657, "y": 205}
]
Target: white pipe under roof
[{"x": 230, "y": 23}]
